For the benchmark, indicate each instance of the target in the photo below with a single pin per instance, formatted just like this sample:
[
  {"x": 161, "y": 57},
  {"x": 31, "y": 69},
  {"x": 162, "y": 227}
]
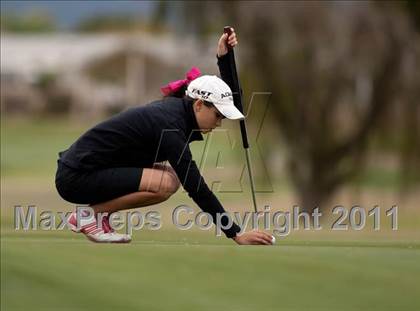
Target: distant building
[{"x": 92, "y": 73}]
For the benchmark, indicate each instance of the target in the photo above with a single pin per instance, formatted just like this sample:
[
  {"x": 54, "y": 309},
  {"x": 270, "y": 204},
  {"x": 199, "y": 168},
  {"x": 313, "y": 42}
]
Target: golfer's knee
[
  {"x": 175, "y": 184},
  {"x": 171, "y": 184},
  {"x": 168, "y": 186}
]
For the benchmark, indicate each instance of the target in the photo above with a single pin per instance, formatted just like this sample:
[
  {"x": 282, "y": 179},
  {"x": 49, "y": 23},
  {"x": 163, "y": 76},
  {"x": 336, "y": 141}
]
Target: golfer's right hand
[
  {"x": 224, "y": 41},
  {"x": 253, "y": 238}
]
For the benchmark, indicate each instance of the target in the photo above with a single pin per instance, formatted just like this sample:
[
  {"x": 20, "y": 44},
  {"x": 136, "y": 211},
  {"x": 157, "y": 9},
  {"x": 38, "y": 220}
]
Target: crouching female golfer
[{"x": 115, "y": 165}]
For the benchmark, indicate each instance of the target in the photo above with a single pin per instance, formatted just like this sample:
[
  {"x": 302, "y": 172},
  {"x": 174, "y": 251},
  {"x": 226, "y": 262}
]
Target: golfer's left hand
[
  {"x": 224, "y": 42},
  {"x": 253, "y": 238}
]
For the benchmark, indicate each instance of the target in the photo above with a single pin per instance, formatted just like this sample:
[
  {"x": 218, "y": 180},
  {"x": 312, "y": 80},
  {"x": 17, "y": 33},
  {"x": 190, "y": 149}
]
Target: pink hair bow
[{"x": 174, "y": 86}]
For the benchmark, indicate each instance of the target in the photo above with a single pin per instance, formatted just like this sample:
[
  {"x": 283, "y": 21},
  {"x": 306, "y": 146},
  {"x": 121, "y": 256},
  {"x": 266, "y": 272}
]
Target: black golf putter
[{"x": 237, "y": 100}]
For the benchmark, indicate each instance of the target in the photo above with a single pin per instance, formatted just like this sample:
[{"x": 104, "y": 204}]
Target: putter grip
[{"x": 228, "y": 30}]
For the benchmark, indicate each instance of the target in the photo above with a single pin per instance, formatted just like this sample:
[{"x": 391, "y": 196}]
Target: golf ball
[{"x": 273, "y": 240}]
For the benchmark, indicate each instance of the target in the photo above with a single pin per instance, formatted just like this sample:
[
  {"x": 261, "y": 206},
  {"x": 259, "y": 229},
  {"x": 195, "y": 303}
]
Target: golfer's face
[{"x": 209, "y": 118}]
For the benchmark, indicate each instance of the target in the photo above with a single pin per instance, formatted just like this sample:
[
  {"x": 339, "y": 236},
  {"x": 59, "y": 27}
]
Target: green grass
[
  {"x": 62, "y": 271},
  {"x": 177, "y": 270},
  {"x": 172, "y": 269},
  {"x": 30, "y": 146}
]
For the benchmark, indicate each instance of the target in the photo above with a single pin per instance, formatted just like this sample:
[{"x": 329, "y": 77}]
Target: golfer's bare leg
[{"x": 157, "y": 185}]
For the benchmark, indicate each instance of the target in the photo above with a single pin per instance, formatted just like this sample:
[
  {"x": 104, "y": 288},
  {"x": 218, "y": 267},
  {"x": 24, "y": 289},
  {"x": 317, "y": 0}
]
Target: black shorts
[{"x": 92, "y": 187}]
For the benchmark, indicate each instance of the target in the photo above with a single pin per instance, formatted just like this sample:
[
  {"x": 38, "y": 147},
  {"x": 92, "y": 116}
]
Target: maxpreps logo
[{"x": 203, "y": 94}]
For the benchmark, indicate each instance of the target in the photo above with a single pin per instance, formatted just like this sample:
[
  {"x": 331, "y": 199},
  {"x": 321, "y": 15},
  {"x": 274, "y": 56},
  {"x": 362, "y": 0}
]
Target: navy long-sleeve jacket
[{"x": 141, "y": 136}]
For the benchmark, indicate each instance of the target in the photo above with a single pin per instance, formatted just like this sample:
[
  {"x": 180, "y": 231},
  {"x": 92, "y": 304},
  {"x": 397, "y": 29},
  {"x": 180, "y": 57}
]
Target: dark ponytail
[{"x": 180, "y": 93}]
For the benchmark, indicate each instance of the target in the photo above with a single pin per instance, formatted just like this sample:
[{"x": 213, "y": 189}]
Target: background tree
[
  {"x": 33, "y": 21},
  {"x": 337, "y": 73}
]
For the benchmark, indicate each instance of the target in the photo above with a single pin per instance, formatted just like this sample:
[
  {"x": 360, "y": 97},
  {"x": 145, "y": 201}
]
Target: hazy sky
[{"x": 70, "y": 13}]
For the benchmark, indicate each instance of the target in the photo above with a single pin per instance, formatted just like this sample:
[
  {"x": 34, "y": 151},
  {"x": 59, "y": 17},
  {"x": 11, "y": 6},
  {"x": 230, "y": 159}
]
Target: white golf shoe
[{"x": 89, "y": 227}]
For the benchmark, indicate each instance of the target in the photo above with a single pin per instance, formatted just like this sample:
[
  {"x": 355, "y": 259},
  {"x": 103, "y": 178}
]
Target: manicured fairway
[
  {"x": 63, "y": 271},
  {"x": 177, "y": 270}
]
